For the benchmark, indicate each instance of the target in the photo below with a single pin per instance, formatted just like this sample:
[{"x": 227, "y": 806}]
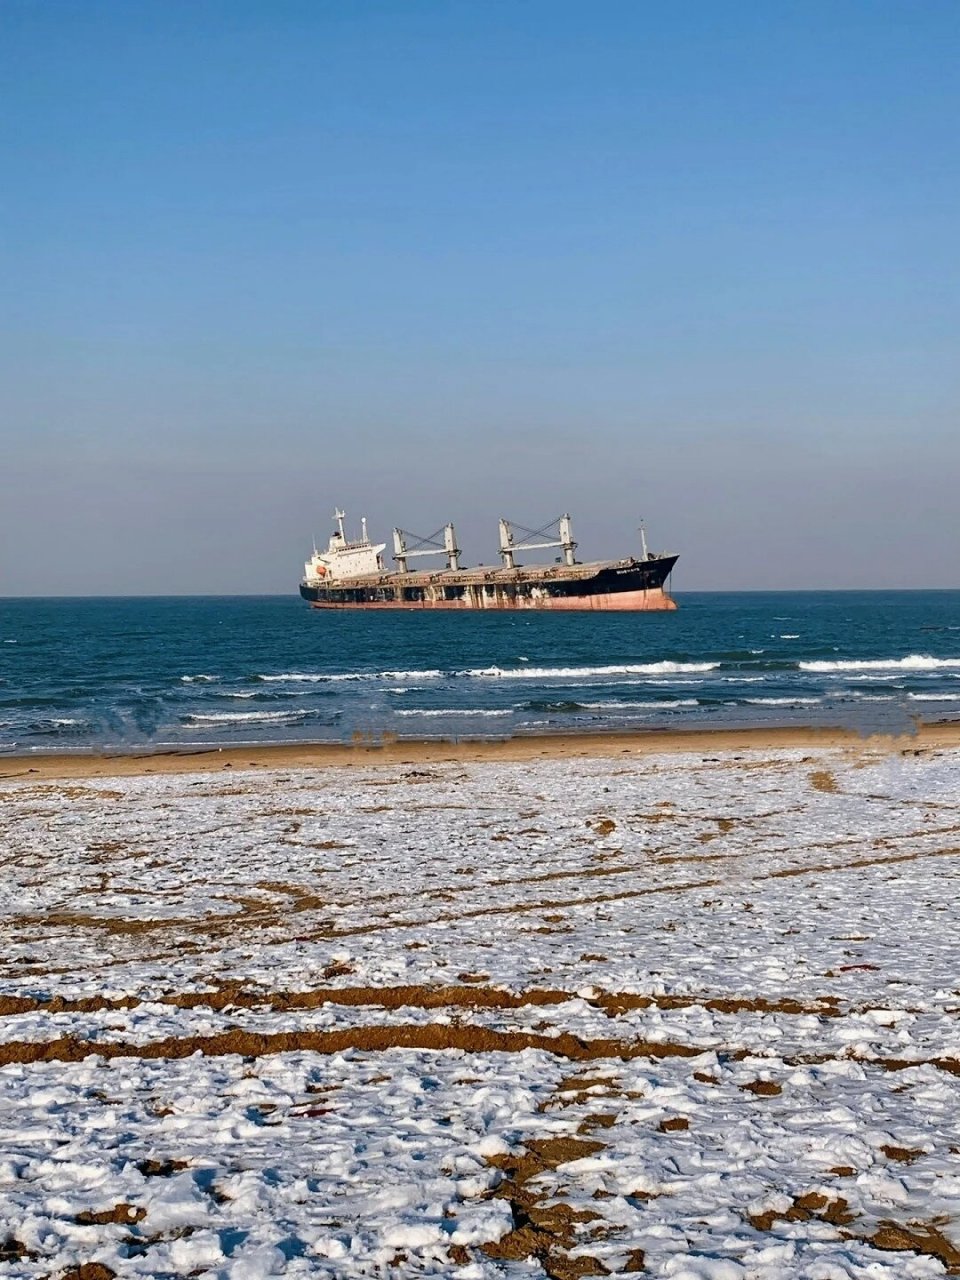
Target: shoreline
[{"x": 389, "y": 751}]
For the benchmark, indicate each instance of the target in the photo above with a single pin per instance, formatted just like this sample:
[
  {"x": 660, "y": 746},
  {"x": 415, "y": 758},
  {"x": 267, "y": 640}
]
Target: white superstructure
[{"x": 344, "y": 559}]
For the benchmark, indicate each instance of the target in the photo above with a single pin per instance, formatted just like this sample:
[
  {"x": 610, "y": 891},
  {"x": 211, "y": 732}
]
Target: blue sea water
[{"x": 90, "y": 674}]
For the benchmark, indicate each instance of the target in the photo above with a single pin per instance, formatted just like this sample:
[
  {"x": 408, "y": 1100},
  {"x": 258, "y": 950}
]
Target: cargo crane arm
[
  {"x": 430, "y": 546},
  {"x": 561, "y": 528}
]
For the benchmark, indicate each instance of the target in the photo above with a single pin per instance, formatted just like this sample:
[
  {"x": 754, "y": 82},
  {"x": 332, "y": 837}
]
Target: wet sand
[{"x": 391, "y": 752}]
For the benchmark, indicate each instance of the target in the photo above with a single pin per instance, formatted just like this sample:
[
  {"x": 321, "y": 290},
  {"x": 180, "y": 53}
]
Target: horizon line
[{"x": 289, "y": 595}]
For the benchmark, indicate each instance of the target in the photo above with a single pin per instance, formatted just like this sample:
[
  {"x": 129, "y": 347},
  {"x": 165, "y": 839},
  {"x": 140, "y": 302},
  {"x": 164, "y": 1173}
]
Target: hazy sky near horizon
[{"x": 691, "y": 261}]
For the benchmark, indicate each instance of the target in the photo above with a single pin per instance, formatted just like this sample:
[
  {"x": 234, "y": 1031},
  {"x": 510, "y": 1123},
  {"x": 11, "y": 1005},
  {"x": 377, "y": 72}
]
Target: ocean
[{"x": 156, "y": 673}]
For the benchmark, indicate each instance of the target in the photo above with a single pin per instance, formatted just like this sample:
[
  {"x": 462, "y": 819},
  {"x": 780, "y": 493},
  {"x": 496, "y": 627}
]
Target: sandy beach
[
  {"x": 388, "y": 751},
  {"x": 681, "y": 1006}
]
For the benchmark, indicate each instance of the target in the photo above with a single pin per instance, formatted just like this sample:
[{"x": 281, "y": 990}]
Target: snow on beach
[{"x": 690, "y": 1016}]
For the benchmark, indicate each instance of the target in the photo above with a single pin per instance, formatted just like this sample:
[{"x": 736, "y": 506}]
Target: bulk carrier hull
[{"x": 622, "y": 585}]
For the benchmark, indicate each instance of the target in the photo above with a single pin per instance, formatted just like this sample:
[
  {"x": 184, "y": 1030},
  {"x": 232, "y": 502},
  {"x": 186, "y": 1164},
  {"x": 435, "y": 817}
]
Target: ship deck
[{"x": 490, "y": 575}]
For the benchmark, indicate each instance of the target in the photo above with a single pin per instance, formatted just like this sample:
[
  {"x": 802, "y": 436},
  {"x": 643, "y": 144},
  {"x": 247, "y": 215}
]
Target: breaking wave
[
  {"x": 665, "y": 668},
  {"x": 243, "y": 717},
  {"x": 913, "y": 662},
  {"x": 783, "y": 702},
  {"x": 305, "y": 677},
  {"x": 859, "y": 696},
  {"x": 454, "y": 711},
  {"x": 664, "y": 704}
]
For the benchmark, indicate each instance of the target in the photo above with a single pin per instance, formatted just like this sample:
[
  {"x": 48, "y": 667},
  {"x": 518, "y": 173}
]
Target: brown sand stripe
[
  {"x": 433, "y": 1037},
  {"x": 419, "y": 997},
  {"x": 856, "y": 863}
]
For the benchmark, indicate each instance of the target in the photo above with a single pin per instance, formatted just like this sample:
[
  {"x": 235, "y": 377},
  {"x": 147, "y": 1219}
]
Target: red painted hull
[{"x": 655, "y": 600}]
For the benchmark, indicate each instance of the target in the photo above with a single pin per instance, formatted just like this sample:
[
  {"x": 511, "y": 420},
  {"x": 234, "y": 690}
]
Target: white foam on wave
[
  {"x": 782, "y": 702},
  {"x": 664, "y": 668},
  {"x": 431, "y": 673},
  {"x": 453, "y": 711},
  {"x": 200, "y": 679},
  {"x": 279, "y": 693},
  {"x": 246, "y": 717},
  {"x": 934, "y": 697},
  {"x": 294, "y": 677},
  {"x": 913, "y": 662},
  {"x": 790, "y": 635},
  {"x": 573, "y": 673},
  {"x": 664, "y": 704},
  {"x": 871, "y": 677},
  {"x": 322, "y": 677}
]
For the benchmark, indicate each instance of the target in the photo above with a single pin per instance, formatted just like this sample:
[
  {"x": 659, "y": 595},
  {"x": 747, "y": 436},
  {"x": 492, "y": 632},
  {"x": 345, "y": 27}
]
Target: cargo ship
[{"x": 354, "y": 575}]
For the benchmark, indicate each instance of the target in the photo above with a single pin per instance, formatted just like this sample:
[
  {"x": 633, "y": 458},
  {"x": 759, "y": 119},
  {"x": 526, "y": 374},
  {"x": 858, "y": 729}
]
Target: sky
[{"x": 695, "y": 262}]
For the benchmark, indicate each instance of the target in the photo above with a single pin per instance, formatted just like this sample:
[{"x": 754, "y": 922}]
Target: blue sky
[{"x": 696, "y": 261}]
